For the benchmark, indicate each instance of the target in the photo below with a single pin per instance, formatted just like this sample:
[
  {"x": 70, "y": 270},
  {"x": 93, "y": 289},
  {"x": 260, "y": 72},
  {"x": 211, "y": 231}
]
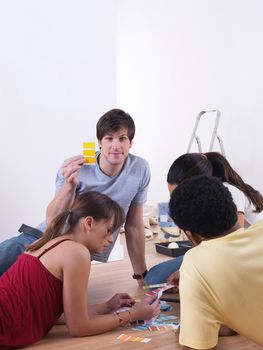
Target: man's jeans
[
  {"x": 13, "y": 247},
  {"x": 159, "y": 273}
]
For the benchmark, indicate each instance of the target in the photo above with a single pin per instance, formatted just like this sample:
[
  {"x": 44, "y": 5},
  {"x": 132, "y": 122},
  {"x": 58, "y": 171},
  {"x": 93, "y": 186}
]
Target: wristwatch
[{"x": 141, "y": 276}]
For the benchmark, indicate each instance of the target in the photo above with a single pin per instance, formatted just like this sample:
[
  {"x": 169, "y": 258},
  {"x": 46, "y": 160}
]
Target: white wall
[
  {"x": 57, "y": 76},
  {"x": 176, "y": 58},
  {"x": 60, "y": 61}
]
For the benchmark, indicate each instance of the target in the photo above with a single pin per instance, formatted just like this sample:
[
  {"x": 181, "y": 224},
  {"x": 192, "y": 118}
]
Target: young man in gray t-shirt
[{"x": 122, "y": 176}]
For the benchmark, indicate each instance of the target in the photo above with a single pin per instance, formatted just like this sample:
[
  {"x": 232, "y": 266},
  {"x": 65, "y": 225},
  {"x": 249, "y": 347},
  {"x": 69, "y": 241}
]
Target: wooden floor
[{"x": 108, "y": 279}]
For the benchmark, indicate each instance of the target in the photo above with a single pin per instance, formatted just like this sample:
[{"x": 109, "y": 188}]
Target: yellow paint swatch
[
  {"x": 89, "y": 152},
  {"x": 89, "y": 145},
  {"x": 90, "y": 160},
  {"x": 125, "y": 337}
]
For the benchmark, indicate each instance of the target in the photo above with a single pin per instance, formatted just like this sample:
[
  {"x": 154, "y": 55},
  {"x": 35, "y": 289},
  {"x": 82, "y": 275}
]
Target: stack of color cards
[{"x": 89, "y": 152}]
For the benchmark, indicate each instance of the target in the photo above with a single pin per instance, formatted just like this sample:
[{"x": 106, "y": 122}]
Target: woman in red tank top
[{"x": 51, "y": 277}]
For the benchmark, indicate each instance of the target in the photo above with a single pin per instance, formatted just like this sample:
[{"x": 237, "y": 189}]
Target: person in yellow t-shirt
[{"x": 221, "y": 277}]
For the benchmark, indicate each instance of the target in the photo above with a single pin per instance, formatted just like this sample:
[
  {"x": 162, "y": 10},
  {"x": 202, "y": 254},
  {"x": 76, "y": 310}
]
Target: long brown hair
[
  {"x": 94, "y": 204},
  {"x": 211, "y": 164},
  {"x": 223, "y": 170}
]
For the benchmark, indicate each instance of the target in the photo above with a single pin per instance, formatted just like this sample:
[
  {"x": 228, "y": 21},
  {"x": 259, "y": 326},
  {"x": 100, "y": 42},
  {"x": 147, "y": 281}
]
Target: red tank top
[{"x": 30, "y": 301}]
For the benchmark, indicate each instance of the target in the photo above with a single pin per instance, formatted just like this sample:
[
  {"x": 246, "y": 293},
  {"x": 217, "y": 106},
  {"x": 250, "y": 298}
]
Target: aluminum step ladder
[{"x": 214, "y": 136}]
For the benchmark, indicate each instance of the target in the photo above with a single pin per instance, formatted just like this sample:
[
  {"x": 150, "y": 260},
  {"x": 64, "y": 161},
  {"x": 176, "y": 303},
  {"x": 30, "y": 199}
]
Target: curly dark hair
[{"x": 203, "y": 205}]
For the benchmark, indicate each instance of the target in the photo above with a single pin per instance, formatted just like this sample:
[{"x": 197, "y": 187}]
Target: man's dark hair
[
  {"x": 204, "y": 206},
  {"x": 113, "y": 121}
]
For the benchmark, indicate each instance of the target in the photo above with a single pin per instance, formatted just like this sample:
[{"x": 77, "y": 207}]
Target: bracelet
[
  {"x": 130, "y": 317},
  {"x": 140, "y": 277},
  {"x": 121, "y": 320}
]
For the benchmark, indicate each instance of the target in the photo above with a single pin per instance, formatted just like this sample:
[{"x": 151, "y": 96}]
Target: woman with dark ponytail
[
  {"x": 51, "y": 277},
  {"x": 249, "y": 202}
]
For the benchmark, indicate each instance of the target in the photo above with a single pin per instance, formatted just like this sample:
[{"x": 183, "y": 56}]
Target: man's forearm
[
  {"x": 135, "y": 239},
  {"x": 62, "y": 201}
]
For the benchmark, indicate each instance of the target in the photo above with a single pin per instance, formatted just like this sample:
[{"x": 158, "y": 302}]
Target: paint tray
[{"x": 162, "y": 248}]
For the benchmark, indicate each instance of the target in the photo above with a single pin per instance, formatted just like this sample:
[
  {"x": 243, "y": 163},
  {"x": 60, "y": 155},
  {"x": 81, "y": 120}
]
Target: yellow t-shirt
[{"x": 221, "y": 282}]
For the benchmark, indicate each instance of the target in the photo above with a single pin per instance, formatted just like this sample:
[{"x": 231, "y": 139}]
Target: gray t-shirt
[{"x": 128, "y": 187}]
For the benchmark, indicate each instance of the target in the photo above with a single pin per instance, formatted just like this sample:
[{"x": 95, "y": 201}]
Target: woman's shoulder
[
  {"x": 77, "y": 249},
  {"x": 75, "y": 256},
  {"x": 61, "y": 245}
]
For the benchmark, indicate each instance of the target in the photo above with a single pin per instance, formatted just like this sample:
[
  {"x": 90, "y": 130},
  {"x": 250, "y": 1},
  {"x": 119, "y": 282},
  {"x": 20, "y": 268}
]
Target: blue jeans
[
  {"x": 159, "y": 273},
  {"x": 13, "y": 247}
]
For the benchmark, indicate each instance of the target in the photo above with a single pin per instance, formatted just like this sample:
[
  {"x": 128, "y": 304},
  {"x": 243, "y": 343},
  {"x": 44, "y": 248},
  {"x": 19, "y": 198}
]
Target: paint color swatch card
[
  {"x": 164, "y": 306},
  {"x": 89, "y": 152},
  {"x": 159, "y": 291},
  {"x": 125, "y": 337},
  {"x": 163, "y": 327},
  {"x": 157, "y": 327},
  {"x": 162, "y": 318},
  {"x": 154, "y": 286}
]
